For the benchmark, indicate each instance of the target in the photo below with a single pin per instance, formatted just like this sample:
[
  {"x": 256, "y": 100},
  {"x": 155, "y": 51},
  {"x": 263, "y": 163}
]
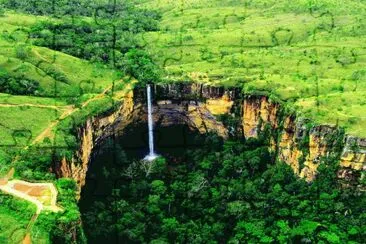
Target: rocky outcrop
[
  {"x": 354, "y": 153},
  {"x": 301, "y": 144},
  {"x": 353, "y": 159},
  {"x": 259, "y": 111},
  {"x": 322, "y": 144},
  {"x": 194, "y": 105},
  {"x": 303, "y": 148},
  {"x": 293, "y": 134},
  {"x": 295, "y": 140}
]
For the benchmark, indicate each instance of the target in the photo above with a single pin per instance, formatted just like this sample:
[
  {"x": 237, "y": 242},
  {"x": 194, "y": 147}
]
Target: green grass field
[
  {"x": 285, "y": 49},
  {"x": 15, "y": 215},
  {"x": 24, "y": 118}
]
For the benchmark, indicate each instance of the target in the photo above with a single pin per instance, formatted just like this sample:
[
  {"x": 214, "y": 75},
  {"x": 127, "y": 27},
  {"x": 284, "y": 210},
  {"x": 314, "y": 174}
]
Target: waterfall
[{"x": 151, "y": 156}]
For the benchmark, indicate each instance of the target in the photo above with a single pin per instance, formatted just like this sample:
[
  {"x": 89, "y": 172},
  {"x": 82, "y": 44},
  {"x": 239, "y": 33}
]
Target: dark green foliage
[
  {"x": 129, "y": 15},
  {"x": 17, "y": 85},
  {"x": 223, "y": 193},
  {"x": 82, "y": 39},
  {"x": 15, "y": 215},
  {"x": 61, "y": 227},
  {"x": 22, "y": 52},
  {"x": 67, "y": 227},
  {"x": 21, "y": 208},
  {"x": 230, "y": 121},
  {"x": 35, "y": 164},
  {"x": 110, "y": 38},
  {"x": 112, "y": 31},
  {"x": 139, "y": 64}
]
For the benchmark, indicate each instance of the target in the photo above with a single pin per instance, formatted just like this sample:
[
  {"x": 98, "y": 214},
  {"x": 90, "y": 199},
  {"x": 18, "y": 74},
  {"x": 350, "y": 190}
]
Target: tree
[
  {"x": 139, "y": 64},
  {"x": 357, "y": 76},
  {"x": 22, "y": 52},
  {"x": 158, "y": 187},
  {"x": 170, "y": 226}
]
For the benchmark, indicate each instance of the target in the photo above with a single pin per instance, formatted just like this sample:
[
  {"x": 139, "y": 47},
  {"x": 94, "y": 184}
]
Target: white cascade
[{"x": 151, "y": 156}]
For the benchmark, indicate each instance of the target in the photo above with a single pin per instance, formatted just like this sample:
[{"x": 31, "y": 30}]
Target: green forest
[{"x": 224, "y": 192}]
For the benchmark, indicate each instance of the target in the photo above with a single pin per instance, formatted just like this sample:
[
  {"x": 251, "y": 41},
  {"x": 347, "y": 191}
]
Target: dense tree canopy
[
  {"x": 229, "y": 192},
  {"x": 18, "y": 85},
  {"x": 102, "y": 32}
]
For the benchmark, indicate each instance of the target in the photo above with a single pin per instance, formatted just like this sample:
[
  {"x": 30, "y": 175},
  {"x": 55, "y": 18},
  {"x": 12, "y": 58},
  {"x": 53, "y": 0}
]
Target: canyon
[{"x": 293, "y": 139}]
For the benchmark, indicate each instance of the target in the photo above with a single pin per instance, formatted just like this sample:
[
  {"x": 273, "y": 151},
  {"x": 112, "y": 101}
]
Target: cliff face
[
  {"x": 300, "y": 146},
  {"x": 292, "y": 135},
  {"x": 295, "y": 140},
  {"x": 353, "y": 158},
  {"x": 322, "y": 143},
  {"x": 195, "y": 106},
  {"x": 258, "y": 111},
  {"x": 94, "y": 130},
  {"x": 303, "y": 148}
]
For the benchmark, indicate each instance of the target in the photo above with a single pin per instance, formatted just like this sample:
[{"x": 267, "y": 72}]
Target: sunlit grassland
[
  {"x": 45, "y": 65},
  {"x": 19, "y": 100},
  {"x": 280, "y": 48},
  {"x": 20, "y": 125},
  {"x": 81, "y": 80},
  {"x": 313, "y": 59}
]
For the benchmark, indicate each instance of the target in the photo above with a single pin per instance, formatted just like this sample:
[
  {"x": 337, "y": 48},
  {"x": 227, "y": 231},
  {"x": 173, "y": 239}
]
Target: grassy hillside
[
  {"x": 63, "y": 80},
  {"x": 59, "y": 74},
  {"x": 58, "y": 88},
  {"x": 310, "y": 53}
]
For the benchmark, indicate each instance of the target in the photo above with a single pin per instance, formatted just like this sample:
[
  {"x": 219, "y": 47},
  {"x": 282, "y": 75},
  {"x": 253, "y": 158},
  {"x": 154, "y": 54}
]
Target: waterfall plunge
[{"x": 151, "y": 156}]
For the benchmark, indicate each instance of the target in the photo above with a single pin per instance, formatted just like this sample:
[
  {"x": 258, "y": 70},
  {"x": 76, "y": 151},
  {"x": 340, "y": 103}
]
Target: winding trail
[
  {"x": 70, "y": 110},
  {"x": 44, "y": 195}
]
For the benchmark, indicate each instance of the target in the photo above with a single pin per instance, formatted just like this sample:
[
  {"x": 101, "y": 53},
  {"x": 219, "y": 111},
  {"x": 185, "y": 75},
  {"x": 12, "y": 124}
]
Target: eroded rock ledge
[{"x": 296, "y": 141}]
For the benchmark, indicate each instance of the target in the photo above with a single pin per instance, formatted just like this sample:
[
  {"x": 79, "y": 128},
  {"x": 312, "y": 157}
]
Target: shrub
[
  {"x": 22, "y": 52},
  {"x": 18, "y": 85}
]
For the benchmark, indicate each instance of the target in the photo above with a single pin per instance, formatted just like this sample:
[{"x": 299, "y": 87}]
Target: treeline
[
  {"x": 99, "y": 31},
  {"x": 60, "y": 8},
  {"x": 223, "y": 193},
  {"x": 18, "y": 85},
  {"x": 91, "y": 40},
  {"x": 48, "y": 7}
]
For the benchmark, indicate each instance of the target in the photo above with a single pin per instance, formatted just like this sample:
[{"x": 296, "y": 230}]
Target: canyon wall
[
  {"x": 294, "y": 140},
  {"x": 195, "y": 106},
  {"x": 301, "y": 144},
  {"x": 94, "y": 130}
]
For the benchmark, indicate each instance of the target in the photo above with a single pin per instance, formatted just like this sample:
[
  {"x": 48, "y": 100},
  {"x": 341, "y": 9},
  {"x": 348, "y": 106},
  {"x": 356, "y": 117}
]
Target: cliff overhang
[{"x": 295, "y": 140}]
